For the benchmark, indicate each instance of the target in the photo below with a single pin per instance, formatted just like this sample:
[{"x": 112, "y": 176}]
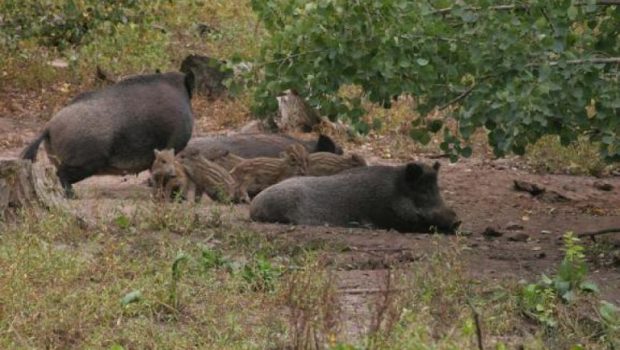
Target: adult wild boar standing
[
  {"x": 115, "y": 130},
  {"x": 405, "y": 198}
]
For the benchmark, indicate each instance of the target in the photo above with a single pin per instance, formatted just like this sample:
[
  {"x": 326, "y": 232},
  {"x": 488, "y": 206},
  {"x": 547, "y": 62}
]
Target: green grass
[
  {"x": 122, "y": 39},
  {"x": 141, "y": 281},
  {"x": 579, "y": 158}
]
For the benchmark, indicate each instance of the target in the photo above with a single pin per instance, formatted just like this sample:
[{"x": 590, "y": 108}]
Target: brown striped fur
[
  {"x": 256, "y": 174},
  {"x": 210, "y": 177},
  {"x": 325, "y": 163},
  {"x": 227, "y": 160},
  {"x": 169, "y": 178}
]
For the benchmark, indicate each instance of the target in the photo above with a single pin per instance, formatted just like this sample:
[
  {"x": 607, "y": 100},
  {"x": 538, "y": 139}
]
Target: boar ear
[
  {"x": 413, "y": 171},
  {"x": 156, "y": 152},
  {"x": 325, "y": 144},
  {"x": 436, "y": 166}
]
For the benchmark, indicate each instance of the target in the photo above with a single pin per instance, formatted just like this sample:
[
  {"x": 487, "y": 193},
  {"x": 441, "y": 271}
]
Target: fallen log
[{"x": 24, "y": 186}]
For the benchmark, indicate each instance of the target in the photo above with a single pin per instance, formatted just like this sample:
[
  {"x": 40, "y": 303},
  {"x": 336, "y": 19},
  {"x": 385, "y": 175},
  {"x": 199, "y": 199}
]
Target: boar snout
[{"x": 446, "y": 221}]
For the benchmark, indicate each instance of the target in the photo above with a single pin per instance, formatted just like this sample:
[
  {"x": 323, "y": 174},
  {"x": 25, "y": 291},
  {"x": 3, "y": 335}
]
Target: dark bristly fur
[
  {"x": 114, "y": 130},
  {"x": 405, "y": 198}
]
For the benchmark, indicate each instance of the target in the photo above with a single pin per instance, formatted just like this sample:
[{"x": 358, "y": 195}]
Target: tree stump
[
  {"x": 294, "y": 114},
  {"x": 24, "y": 185}
]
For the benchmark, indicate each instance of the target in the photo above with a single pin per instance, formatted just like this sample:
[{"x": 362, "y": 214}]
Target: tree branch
[
  {"x": 599, "y": 232},
  {"x": 497, "y": 8},
  {"x": 516, "y": 7},
  {"x": 591, "y": 60},
  {"x": 458, "y": 98},
  {"x": 597, "y": 60}
]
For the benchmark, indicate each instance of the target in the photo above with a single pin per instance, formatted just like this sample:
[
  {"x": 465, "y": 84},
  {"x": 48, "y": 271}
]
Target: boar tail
[{"x": 30, "y": 152}]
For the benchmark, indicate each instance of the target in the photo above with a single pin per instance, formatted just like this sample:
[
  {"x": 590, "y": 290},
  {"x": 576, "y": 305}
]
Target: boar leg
[
  {"x": 190, "y": 191},
  {"x": 242, "y": 190},
  {"x": 69, "y": 175}
]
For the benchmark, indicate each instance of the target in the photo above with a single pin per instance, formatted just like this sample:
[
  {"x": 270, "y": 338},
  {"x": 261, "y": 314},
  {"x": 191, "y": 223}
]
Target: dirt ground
[{"x": 480, "y": 190}]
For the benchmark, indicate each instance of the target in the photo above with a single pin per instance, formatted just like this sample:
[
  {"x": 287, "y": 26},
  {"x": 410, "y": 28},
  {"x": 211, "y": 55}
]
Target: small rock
[
  {"x": 615, "y": 258},
  {"x": 603, "y": 186},
  {"x": 541, "y": 255},
  {"x": 466, "y": 233},
  {"x": 490, "y": 232},
  {"x": 514, "y": 226},
  {"x": 59, "y": 63},
  {"x": 553, "y": 197},
  {"x": 519, "y": 237},
  {"x": 545, "y": 232},
  {"x": 529, "y": 187},
  {"x": 537, "y": 249}
]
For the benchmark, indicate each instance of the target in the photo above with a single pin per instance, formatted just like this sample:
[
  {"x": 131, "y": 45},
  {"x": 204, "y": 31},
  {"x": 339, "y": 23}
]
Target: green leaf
[
  {"x": 422, "y": 61},
  {"x": 466, "y": 152},
  {"x": 589, "y": 287},
  {"x": 131, "y": 297},
  {"x": 572, "y": 12},
  {"x": 420, "y": 135},
  {"x": 546, "y": 280},
  {"x": 435, "y": 125},
  {"x": 610, "y": 313},
  {"x": 569, "y": 296}
]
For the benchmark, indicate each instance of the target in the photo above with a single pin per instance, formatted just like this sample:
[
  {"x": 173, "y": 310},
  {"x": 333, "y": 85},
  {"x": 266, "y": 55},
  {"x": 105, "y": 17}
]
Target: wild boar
[
  {"x": 258, "y": 145},
  {"x": 114, "y": 130},
  {"x": 256, "y": 174},
  {"x": 405, "y": 198},
  {"x": 224, "y": 158},
  {"x": 325, "y": 163},
  {"x": 170, "y": 179},
  {"x": 210, "y": 177}
]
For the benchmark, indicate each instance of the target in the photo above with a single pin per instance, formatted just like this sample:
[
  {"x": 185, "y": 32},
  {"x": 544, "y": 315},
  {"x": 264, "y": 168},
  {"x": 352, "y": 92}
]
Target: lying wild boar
[
  {"x": 405, "y": 198},
  {"x": 210, "y": 177},
  {"x": 223, "y": 158},
  {"x": 324, "y": 163},
  {"x": 258, "y": 145},
  {"x": 256, "y": 174},
  {"x": 169, "y": 178},
  {"x": 114, "y": 130}
]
